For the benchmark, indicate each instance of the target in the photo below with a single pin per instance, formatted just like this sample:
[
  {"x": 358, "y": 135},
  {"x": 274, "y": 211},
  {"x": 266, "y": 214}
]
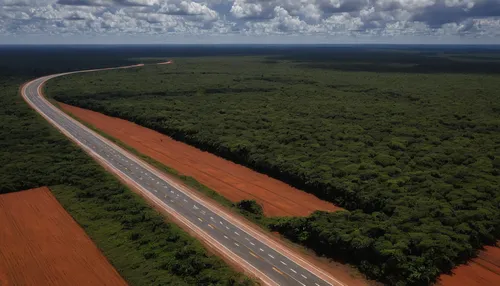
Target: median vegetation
[
  {"x": 144, "y": 247},
  {"x": 411, "y": 154}
]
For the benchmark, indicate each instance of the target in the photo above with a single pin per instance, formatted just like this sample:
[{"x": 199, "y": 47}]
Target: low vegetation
[
  {"x": 413, "y": 156},
  {"x": 144, "y": 248},
  {"x": 250, "y": 206}
]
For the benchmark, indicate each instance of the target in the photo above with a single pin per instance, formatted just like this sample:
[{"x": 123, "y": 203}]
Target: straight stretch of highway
[{"x": 234, "y": 238}]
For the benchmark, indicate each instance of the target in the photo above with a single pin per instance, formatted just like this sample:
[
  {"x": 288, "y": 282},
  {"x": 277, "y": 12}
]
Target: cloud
[
  {"x": 456, "y": 11},
  {"x": 132, "y": 3},
  {"x": 349, "y": 18},
  {"x": 242, "y": 9},
  {"x": 185, "y": 8},
  {"x": 85, "y": 2},
  {"x": 16, "y": 2}
]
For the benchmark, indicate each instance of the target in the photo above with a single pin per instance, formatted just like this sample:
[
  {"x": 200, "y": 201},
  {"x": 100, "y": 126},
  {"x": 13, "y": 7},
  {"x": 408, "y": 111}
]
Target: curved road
[{"x": 232, "y": 237}]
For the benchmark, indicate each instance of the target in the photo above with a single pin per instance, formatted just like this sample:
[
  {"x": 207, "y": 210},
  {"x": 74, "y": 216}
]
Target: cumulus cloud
[
  {"x": 389, "y": 18},
  {"x": 242, "y": 9},
  {"x": 282, "y": 22},
  {"x": 185, "y": 8}
]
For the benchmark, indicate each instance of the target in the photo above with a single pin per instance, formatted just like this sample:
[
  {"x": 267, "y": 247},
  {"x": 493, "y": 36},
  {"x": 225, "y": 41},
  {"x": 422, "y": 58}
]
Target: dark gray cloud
[
  {"x": 442, "y": 12},
  {"x": 14, "y": 3},
  {"x": 348, "y": 6},
  {"x": 139, "y": 3},
  {"x": 84, "y": 2},
  {"x": 74, "y": 18}
]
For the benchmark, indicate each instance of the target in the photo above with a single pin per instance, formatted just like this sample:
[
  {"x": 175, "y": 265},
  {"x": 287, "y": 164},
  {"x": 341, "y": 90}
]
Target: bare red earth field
[
  {"x": 41, "y": 244},
  {"x": 233, "y": 181},
  {"x": 481, "y": 271}
]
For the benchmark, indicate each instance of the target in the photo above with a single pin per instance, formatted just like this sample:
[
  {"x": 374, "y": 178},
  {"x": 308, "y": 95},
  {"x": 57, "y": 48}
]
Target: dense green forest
[
  {"x": 413, "y": 155},
  {"x": 144, "y": 248}
]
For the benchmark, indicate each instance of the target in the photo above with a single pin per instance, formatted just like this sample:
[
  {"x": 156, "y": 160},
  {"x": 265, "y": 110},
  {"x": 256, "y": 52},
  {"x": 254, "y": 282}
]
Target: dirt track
[
  {"x": 42, "y": 245},
  {"x": 481, "y": 271},
  {"x": 233, "y": 181}
]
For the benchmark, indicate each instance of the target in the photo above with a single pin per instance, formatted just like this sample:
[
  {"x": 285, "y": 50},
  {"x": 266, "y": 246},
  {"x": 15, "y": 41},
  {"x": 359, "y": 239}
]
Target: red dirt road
[
  {"x": 481, "y": 271},
  {"x": 42, "y": 245},
  {"x": 231, "y": 180}
]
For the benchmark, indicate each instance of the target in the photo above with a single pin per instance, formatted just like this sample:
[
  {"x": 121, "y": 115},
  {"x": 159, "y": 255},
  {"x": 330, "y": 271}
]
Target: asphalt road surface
[{"x": 274, "y": 264}]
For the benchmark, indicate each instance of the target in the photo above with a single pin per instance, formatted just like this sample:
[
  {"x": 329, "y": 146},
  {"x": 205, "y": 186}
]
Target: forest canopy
[{"x": 412, "y": 155}]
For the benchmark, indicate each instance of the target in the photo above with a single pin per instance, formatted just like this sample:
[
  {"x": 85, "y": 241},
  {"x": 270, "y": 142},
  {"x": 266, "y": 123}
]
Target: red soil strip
[
  {"x": 165, "y": 63},
  {"x": 42, "y": 245},
  {"x": 481, "y": 271},
  {"x": 233, "y": 181}
]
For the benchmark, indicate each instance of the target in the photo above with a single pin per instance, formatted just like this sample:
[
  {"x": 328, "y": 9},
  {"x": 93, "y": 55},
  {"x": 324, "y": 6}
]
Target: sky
[{"x": 249, "y": 21}]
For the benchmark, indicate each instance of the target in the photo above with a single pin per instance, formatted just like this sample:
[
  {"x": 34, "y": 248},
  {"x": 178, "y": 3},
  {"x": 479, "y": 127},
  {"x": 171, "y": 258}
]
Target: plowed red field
[
  {"x": 481, "y": 271},
  {"x": 231, "y": 180},
  {"x": 40, "y": 244}
]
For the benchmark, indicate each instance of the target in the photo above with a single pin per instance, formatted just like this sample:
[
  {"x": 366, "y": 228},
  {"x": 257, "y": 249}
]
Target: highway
[{"x": 240, "y": 242}]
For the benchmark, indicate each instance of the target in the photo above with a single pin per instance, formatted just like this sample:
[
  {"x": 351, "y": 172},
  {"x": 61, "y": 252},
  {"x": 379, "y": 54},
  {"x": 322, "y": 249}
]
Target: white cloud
[
  {"x": 243, "y": 9},
  {"x": 391, "y": 18},
  {"x": 185, "y": 8}
]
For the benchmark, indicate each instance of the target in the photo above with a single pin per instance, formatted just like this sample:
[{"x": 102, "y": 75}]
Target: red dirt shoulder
[
  {"x": 481, "y": 271},
  {"x": 233, "y": 181}
]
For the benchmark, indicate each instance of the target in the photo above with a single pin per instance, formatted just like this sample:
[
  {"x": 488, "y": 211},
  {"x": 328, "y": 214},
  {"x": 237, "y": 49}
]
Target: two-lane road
[{"x": 234, "y": 238}]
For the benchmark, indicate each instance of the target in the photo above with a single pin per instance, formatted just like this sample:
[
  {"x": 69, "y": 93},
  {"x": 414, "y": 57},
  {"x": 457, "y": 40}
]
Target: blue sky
[{"x": 249, "y": 21}]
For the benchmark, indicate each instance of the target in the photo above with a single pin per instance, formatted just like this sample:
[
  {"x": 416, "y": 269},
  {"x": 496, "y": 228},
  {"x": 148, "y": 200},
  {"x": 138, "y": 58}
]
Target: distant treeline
[{"x": 41, "y": 60}]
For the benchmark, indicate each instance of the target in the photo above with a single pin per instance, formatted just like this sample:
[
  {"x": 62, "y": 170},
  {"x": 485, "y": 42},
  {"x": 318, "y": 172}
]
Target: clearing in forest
[
  {"x": 43, "y": 245},
  {"x": 233, "y": 181},
  {"x": 483, "y": 270}
]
